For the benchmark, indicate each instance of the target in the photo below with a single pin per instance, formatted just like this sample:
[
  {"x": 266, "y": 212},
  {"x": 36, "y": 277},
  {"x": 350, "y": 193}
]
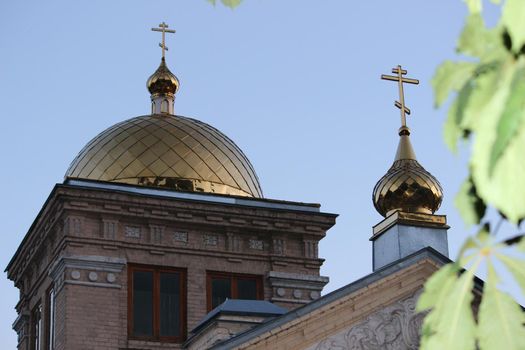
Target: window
[
  {"x": 156, "y": 304},
  {"x": 50, "y": 302},
  {"x": 36, "y": 327},
  {"x": 222, "y": 286}
]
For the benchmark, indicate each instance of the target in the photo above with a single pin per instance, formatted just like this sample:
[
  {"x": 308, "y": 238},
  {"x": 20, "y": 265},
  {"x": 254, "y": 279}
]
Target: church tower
[
  {"x": 160, "y": 220},
  {"x": 407, "y": 196}
]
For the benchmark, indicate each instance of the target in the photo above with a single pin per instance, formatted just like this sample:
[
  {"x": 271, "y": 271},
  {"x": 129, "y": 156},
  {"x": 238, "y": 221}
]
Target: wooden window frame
[
  {"x": 157, "y": 270},
  {"x": 233, "y": 277}
]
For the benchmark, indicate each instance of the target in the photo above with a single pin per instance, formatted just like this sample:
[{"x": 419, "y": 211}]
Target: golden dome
[
  {"x": 407, "y": 186},
  {"x": 163, "y": 81},
  {"x": 167, "y": 151}
]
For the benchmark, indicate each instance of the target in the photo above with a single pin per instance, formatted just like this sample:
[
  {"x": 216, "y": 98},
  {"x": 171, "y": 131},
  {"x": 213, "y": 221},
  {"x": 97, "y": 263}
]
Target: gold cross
[
  {"x": 163, "y": 27},
  {"x": 400, "y": 80}
]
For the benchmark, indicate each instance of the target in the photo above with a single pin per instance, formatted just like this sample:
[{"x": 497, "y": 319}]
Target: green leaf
[
  {"x": 470, "y": 206},
  {"x": 450, "y": 76},
  {"x": 213, "y": 2},
  {"x": 472, "y": 39},
  {"x": 512, "y": 19},
  {"x": 516, "y": 267},
  {"x": 450, "y": 325},
  {"x": 231, "y": 3},
  {"x": 500, "y": 318},
  {"x": 451, "y": 131},
  {"x": 474, "y": 6},
  {"x": 505, "y": 187},
  {"x": 437, "y": 287},
  {"x": 511, "y": 119}
]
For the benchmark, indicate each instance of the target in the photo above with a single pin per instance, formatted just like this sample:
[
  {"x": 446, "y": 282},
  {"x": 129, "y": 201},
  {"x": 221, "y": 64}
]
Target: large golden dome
[
  {"x": 164, "y": 150},
  {"x": 407, "y": 186}
]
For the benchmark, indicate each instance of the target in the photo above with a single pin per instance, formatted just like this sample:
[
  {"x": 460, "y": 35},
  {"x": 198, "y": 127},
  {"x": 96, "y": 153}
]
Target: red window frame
[
  {"x": 157, "y": 270},
  {"x": 233, "y": 277}
]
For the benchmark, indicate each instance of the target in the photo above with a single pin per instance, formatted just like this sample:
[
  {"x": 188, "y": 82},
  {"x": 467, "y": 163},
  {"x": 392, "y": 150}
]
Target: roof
[
  {"x": 164, "y": 150},
  {"x": 425, "y": 253},
  {"x": 242, "y": 307}
]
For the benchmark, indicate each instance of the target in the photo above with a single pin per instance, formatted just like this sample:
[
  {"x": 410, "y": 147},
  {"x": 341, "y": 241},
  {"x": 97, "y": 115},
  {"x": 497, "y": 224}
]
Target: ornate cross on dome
[
  {"x": 400, "y": 80},
  {"x": 163, "y": 27}
]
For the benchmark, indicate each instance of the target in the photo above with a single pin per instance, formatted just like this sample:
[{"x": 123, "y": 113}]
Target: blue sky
[{"x": 296, "y": 84}]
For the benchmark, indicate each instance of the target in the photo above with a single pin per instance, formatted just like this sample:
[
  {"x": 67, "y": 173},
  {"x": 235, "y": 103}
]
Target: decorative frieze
[
  {"x": 73, "y": 225},
  {"x": 396, "y": 326},
  {"x": 301, "y": 288},
  {"x": 132, "y": 231},
  {"x": 310, "y": 249},
  {"x": 210, "y": 240},
  {"x": 278, "y": 246},
  {"x": 156, "y": 233},
  {"x": 256, "y": 244},
  {"x": 180, "y": 236},
  {"x": 21, "y": 327},
  {"x": 233, "y": 242},
  {"x": 109, "y": 229},
  {"x": 96, "y": 271}
]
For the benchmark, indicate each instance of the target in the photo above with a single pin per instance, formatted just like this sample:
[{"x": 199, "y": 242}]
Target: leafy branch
[{"x": 487, "y": 111}]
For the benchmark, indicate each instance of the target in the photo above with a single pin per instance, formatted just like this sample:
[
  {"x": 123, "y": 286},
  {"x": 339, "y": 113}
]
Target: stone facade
[
  {"x": 85, "y": 238},
  {"x": 376, "y": 312}
]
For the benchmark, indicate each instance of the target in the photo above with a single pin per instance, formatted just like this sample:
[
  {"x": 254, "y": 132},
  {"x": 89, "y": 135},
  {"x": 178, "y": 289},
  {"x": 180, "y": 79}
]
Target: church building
[{"x": 160, "y": 237}]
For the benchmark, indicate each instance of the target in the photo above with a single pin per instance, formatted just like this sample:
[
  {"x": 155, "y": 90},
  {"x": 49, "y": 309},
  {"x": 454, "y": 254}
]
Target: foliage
[
  {"x": 488, "y": 111},
  {"x": 229, "y": 3},
  {"x": 449, "y": 293}
]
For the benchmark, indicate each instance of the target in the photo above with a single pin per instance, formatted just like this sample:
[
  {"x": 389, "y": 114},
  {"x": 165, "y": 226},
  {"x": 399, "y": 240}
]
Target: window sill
[{"x": 135, "y": 344}]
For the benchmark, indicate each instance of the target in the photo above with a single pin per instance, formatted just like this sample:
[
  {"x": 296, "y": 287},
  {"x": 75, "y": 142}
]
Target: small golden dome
[
  {"x": 167, "y": 151},
  {"x": 407, "y": 186},
  {"x": 163, "y": 81}
]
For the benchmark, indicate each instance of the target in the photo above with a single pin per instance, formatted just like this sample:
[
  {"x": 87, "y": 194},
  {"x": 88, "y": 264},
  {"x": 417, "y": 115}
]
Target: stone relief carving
[
  {"x": 132, "y": 231},
  {"x": 396, "y": 327},
  {"x": 256, "y": 244},
  {"x": 180, "y": 236},
  {"x": 212, "y": 240}
]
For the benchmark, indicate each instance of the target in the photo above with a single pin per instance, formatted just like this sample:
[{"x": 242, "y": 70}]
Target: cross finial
[
  {"x": 400, "y": 80},
  {"x": 163, "y": 27}
]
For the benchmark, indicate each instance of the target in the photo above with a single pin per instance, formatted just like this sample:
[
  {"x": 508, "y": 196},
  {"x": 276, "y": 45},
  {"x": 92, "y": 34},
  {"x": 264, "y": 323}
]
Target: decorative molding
[
  {"x": 132, "y": 231},
  {"x": 67, "y": 270},
  {"x": 256, "y": 244},
  {"x": 311, "y": 249},
  {"x": 21, "y": 327},
  {"x": 302, "y": 285},
  {"x": 156, "y": 233},
  {"x": 210, "y": 240},
  {"x": 109, "y": 229},
  {"x": 397, "y": 326},
  {"x": 180, "y": 236},
  {"x": 278, "y": 246},
  {"x": 234, "y": 243}
]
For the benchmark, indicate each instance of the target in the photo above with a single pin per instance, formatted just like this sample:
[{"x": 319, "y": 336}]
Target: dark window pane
[
  {"x": 143, "y": 303},
  {"x": 247, "y": 289},
  {"x": 220, "y": 291},
  {"x": 169, "y": 304}
]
